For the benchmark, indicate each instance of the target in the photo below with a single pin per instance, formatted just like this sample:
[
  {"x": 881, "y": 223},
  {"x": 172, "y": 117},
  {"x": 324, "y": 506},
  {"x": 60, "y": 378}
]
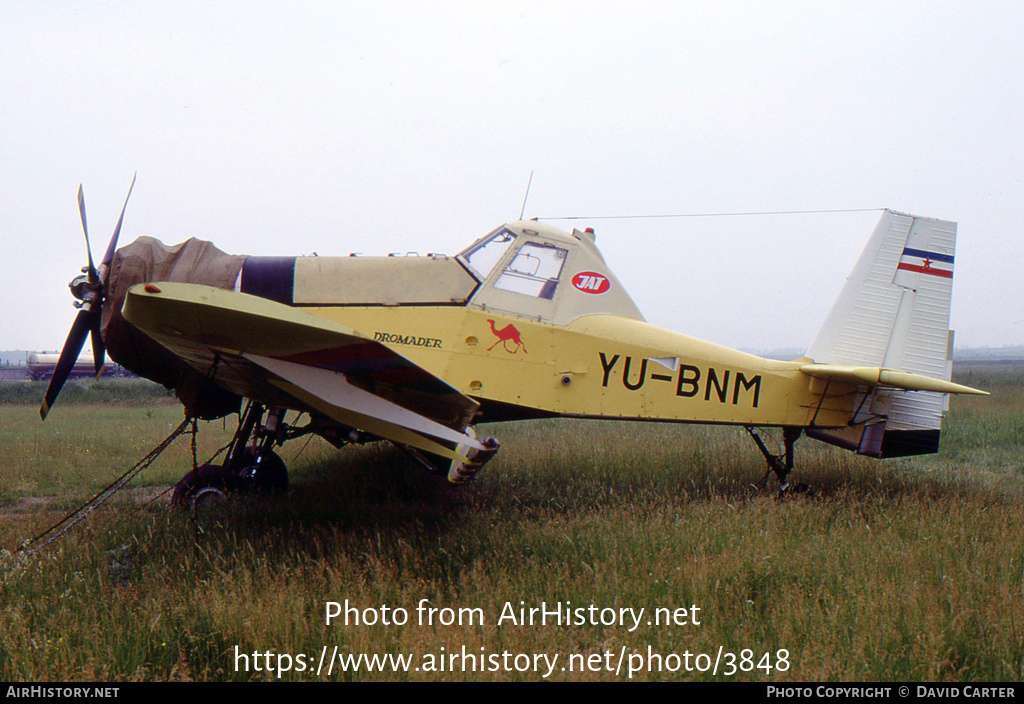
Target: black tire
[
  {"x": 208, "y": 498},
  {"x": 268, "y": 476},
  {"x": 206, "y": 476}
]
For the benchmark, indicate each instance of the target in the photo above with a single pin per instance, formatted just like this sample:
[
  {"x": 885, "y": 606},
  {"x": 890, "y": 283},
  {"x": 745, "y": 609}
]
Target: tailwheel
[{"x": 782, "y": 464}]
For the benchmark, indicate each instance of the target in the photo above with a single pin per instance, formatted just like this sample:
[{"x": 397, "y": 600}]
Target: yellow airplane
[{"x": 527, "y": 322}]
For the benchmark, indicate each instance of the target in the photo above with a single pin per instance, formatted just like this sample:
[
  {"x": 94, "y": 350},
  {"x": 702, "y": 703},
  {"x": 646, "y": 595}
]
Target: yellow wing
[{"x": 283, "y": 356}]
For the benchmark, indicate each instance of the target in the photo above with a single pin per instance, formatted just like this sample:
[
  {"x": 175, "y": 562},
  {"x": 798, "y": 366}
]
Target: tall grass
[
  {"x": 905, "y": 570},
  {"x": 77, "y": 391}
]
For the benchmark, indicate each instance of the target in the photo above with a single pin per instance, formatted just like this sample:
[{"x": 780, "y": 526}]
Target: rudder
[{"x": 893, "y": 313}]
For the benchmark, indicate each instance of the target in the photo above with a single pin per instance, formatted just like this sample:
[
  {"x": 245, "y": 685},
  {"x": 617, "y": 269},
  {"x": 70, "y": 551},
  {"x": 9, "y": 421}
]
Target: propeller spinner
[{"x": 90, "y": 290}]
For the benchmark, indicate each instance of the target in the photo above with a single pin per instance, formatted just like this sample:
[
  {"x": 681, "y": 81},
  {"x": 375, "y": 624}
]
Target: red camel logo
[{"x": 507, "y": 333}]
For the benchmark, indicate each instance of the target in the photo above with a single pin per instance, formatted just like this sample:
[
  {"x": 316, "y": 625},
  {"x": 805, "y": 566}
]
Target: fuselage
[
  {"x": 528, "y": 320},
  {"x": 595, "y": 366}
]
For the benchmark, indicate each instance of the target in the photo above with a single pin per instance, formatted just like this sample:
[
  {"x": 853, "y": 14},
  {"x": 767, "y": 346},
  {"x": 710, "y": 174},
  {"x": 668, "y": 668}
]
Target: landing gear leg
[
  {"x": 782, "y": 464},
  {"x": 251, "y": 463}
]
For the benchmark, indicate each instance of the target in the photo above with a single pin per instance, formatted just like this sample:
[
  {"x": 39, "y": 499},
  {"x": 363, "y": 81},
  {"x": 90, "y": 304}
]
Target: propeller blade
[
  {"x": 90, "y": 316},
  {"x": 112, "y": 247},
  {"x": 99, "y": 349},
  {"x": 93, "y": 278},
  {"x": 68, "y": 357}
]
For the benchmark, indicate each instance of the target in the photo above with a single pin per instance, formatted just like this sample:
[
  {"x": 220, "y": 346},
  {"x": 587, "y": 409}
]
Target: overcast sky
[{"x": 276, "y": 128}]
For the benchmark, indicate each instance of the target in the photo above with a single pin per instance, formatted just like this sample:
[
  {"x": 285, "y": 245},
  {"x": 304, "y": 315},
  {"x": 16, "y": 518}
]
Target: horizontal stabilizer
[{"x": 877, "y": 376}]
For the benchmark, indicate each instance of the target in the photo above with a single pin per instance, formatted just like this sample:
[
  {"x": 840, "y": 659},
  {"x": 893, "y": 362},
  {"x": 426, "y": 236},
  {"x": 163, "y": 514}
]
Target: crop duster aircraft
[{"x": 526, "y": 322}]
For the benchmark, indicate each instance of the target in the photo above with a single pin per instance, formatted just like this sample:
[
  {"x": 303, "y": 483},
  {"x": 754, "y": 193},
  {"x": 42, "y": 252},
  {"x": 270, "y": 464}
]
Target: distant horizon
[{"x": 1010, "y": 352}]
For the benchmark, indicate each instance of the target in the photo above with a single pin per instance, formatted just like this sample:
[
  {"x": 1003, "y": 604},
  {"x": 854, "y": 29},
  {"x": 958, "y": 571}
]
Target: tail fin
[{"x": 893, "y": 313}]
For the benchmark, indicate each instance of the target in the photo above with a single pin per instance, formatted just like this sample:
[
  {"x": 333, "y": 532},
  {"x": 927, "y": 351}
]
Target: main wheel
[
  {"x": 266, "y": 475},
  {"x": 208, "y": 476},
  {"x": 208, "y": 498}
]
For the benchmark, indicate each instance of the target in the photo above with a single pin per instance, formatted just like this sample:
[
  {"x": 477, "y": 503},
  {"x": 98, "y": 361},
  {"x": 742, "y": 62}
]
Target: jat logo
[{"x": 591, "y": 282}]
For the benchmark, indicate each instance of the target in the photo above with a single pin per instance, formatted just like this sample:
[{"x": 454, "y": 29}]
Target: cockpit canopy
[
  {"x": 533, "y": 271},
  {"x": 536, "y": 270}
]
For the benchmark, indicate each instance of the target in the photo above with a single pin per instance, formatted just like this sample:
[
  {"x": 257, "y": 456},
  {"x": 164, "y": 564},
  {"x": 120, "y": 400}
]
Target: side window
[
  {"x": 484, "y": 256},
  {"x": 534, "y": 271}
]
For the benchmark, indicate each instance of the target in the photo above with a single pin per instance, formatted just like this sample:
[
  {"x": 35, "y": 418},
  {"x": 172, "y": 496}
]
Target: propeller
[{"x": 90, "y": 289}]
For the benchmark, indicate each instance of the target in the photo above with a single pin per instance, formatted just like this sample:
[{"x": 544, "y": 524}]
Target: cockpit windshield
[
  {"x": 534, "y": 271},
  {"x": 483, "y": 255}
]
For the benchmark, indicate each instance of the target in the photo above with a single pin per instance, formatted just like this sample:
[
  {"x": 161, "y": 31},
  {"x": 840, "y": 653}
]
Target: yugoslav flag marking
[{"x": 924, "y": 262}]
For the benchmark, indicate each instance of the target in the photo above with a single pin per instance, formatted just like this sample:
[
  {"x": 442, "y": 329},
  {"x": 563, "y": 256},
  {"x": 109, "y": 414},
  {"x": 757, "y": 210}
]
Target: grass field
[{"x": 897, "y": 570}]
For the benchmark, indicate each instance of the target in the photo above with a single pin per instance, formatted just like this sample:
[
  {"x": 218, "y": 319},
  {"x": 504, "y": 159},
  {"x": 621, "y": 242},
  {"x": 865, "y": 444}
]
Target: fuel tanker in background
[{"x": 42, "y": 364}]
